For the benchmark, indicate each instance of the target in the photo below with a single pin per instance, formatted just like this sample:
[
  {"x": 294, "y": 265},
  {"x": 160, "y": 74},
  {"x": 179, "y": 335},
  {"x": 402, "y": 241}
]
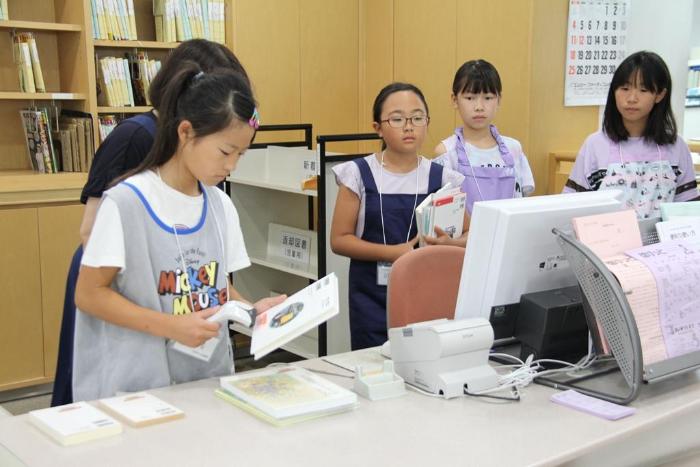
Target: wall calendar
[{"x": 597, "y": 32}]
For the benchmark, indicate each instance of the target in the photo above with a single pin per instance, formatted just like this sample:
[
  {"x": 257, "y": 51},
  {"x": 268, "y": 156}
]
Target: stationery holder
[
  {"x": 610, "y": 307},
  {"x": 384, "y": 385}
]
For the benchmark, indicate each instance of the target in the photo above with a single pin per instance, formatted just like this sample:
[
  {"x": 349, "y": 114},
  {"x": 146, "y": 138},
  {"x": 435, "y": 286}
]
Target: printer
[{"x": 445, "y": 356}]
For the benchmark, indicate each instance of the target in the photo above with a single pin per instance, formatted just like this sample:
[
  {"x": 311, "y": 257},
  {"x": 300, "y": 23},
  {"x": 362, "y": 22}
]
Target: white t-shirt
[
  {"x": 491, "y": 157},
  {"x": 348, "y": 174},
  {"x": 105, "y": 247}
]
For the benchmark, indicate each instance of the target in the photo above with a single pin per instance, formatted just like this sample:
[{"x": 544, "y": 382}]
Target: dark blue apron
[{"x": 367, "y": 299}]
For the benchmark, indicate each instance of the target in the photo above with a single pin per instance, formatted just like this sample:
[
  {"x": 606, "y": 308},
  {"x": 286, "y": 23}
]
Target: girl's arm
[
  {"x": 344, "y": 241},
  {"x": 88, "y": 219},
  {"x": 94, "y": 296},
  {"x": 442, "y": 238}
]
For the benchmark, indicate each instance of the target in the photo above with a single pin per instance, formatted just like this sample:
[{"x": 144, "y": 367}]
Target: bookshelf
[{"x": 40, "y": 214}]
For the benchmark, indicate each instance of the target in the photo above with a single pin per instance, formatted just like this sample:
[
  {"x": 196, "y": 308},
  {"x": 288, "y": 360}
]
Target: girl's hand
[
  {"x": 261, "y": 306},
  {"x": 403, "y": 248},
  {"x": 442, "y": 238},
  {"x": 193, "y": 329}
]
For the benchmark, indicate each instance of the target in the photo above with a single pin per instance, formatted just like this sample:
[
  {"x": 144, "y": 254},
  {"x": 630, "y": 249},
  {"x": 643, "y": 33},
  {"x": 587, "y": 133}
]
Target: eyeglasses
[{"x": 400, "y": 122}]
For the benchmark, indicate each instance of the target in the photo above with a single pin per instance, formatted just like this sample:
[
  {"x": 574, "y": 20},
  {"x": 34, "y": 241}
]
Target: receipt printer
[
  {"x": 445, "y": 356},
  {"x": 552, "y": 324}
]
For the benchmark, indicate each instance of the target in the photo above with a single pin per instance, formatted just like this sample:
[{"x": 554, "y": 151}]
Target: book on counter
[
  {"x": 301, "y": 312},
  {"x": 140, "y": 409},
  {"x": 74, "y": 423},
  {"x": 286, "y": 394}
]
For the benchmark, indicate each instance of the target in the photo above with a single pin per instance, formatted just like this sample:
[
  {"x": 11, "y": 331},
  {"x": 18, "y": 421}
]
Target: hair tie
[{"x": 254, "y": 119}]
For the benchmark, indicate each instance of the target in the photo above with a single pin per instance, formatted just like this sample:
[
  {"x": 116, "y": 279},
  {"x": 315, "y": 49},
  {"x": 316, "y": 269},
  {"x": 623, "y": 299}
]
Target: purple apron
[
  {"x": 486, "y": 183},
  {"x": 367, "y": 299}
]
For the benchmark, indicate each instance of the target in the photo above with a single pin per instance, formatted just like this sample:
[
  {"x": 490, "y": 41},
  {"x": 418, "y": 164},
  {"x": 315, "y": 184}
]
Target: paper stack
[{"x": 74, "y": 423}]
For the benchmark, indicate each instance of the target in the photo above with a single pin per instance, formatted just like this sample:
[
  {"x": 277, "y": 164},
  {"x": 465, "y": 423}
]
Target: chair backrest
[{"x": 423, "y": 285}]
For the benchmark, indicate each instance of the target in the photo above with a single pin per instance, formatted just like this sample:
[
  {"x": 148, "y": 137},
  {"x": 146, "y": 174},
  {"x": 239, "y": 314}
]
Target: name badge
[
  {"x": 203, "y": 352},
  {"x": 383, "y": 271}
]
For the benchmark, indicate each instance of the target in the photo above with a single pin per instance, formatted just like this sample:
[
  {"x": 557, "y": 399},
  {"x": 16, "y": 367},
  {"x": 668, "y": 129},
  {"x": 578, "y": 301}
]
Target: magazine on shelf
[
  {"x": 285, "y": 394},
  {"x": 301, "y": 312}
]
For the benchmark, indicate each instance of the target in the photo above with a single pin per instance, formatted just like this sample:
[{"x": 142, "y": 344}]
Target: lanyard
[
  {"x": 622, "y": 161},
  {"x": 182, "y": 256},
  {"x": 381, "y": 208}
]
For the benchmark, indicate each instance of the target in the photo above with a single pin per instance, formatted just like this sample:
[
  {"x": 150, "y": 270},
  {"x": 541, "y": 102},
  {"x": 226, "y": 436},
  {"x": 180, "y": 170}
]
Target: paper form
[
  {"x": 639, "y": 287},
  {"x": 676, "y": 268},
  {"x": 609, "y": 234}
]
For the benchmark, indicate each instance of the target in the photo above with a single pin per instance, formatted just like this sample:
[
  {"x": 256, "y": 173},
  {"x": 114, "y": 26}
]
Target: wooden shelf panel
[
  {"x": 124, "y": 110},
  {"x": 42, "y": 96},
  {"x": 136, "y": 44},
  {"x": 19, "y": 187},
  {"x": 40, "y": 26}
]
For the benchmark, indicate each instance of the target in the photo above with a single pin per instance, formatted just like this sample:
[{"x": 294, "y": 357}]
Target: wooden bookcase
[{"x": 40, "y": 213}]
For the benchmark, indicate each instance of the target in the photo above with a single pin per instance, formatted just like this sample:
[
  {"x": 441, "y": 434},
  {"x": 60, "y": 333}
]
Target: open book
[
  {"x": 444, "y": 209},
  {"x": 301, "y": 312},
  {"x": 285, "y": 394}
]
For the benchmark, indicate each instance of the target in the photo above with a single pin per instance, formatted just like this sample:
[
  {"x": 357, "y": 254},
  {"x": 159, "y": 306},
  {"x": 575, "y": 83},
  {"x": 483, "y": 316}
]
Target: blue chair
[{"x": 63, "y": 384}]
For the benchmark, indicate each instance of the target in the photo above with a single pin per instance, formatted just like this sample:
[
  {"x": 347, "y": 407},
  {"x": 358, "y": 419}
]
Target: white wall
[{"x": 665, "y": 28}]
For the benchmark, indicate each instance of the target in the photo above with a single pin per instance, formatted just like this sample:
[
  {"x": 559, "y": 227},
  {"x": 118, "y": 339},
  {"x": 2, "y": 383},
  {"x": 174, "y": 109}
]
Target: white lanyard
[
  {"x": 622, "y": 161},
  {"x": 182, "y": 256},
  {"x": 381, "y": 208}
]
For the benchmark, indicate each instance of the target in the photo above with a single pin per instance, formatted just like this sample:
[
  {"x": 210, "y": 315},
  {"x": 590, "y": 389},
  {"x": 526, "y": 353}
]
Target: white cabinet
[{"x": 266, "y": 188}]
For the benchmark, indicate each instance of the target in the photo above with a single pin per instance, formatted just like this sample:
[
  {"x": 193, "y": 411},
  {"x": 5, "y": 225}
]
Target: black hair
[
  {"x": 387, "y": 91},
  {"x": 648, "y": 70},
  {"x": 207, "y": 54},
  {"x": 476, "y": 77},
  {"x": 390, "y": 89},
  {"x": 209, "y": 101}
]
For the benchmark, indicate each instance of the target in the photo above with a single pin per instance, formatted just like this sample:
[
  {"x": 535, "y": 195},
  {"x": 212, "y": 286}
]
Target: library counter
[{"x": 410, "y": 430}]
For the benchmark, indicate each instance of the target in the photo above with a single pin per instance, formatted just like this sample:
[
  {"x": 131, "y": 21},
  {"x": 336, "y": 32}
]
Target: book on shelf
[
  {"x": 74, "y": 423},
  {"x": 113, "y": 20},
  {"x": 298, "y": 314},
  {"x": 107, "y": 124},
  {"x": 286, "y": 394},
  {"x": 37, "y": 134},
  {"x": 445, "y": 209},
  {"x": 140, "y": 409},
  {"x": 4, "y": 14},
  {"x": 181, "y": 20},
  {"x": 79, "y": 125}
]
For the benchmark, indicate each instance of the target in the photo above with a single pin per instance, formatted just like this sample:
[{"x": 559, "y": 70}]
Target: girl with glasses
[
  {"x": 374, "y": 218},
  {"x": 494, "y": 166}
]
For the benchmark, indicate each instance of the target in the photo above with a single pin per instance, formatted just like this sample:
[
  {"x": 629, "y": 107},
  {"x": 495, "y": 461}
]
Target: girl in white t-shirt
[
  {"x": 373, "y": 221},
  {"x": 164, "y": 241},
  {"x": 494, "y": 166}
]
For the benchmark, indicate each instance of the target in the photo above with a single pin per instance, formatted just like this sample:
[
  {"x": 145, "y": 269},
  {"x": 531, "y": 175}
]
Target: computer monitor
[{"x": 511, "y": 251}]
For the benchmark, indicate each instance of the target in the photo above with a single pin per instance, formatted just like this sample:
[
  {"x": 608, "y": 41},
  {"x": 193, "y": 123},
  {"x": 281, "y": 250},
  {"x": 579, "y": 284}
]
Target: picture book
[
  {"x": 301, "y": 312},
  {"x": 443, "y": 209},
  {"x": 286, "y": 393},
  {"x": 74, "y": 423},
  {"x": 141, "y": 409}
]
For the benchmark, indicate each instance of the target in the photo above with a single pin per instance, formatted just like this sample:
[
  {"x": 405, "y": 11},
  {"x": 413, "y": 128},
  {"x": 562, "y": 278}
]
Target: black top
[{"x": 123, "y": 150}]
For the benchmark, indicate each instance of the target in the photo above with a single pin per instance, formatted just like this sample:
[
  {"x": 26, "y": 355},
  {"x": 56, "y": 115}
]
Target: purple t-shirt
[{"x": 599, "y": 152}]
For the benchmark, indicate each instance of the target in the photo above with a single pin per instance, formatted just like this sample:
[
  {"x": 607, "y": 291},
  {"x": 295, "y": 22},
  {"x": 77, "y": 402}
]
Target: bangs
[
  {"x": 640, "y": 74},
  {"x": 479, "y": 84}
]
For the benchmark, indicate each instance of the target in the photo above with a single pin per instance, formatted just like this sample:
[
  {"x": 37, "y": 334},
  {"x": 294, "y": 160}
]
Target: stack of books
[
  {"x": 113, "y": 20},
  {"x": 445, "y": 209},
  {"x": 37, "y": 133},
  {"x": 77, "y": 141},
  {"x": 285, "y": 394},
  {"x": 124, "y": 82},
  {"x": 26, "y": 57},
  {"x": 181, "y": 20}
]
